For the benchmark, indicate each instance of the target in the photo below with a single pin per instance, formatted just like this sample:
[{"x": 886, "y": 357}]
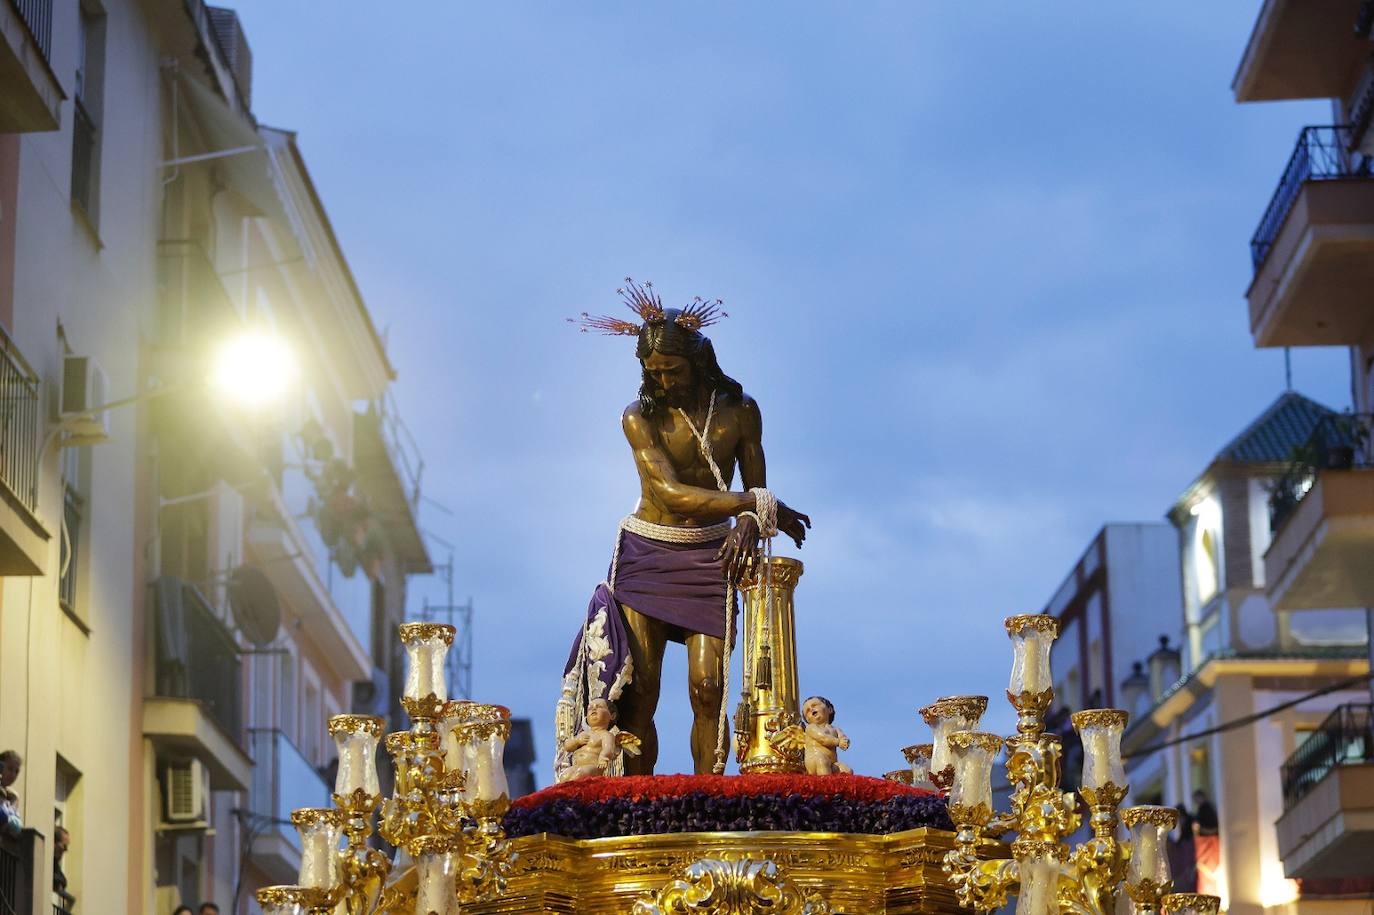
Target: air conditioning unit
[
  {"x": 83, "y": 392},
  {"x": 186, "y": 790}
]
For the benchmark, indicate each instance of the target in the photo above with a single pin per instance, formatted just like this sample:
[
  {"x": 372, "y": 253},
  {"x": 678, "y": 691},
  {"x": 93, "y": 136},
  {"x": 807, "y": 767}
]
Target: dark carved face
[{"x": 672, "y": 375}]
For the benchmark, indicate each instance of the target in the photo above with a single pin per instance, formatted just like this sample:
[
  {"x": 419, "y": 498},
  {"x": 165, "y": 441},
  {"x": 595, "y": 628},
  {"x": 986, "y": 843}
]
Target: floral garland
[{"x": 644, "y": 805}]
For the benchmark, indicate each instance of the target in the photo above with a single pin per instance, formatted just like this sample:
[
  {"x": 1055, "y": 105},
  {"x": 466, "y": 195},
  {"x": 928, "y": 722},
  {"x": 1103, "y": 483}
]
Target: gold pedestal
[
  {"x": 896, "y": 874},
  {"x": 770, "y": 701}
]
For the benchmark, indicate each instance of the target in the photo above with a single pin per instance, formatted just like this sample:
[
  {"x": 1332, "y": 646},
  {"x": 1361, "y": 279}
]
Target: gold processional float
[{"x": 445, "y": 814}]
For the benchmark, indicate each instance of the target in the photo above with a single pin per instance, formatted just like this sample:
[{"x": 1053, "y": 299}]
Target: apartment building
[
  {"x": 1243, "y": 658},
  {"x": 1313, "y": 255},
  {"x": 1121, "y": 594},
  {"x": 191, "y": 582}
]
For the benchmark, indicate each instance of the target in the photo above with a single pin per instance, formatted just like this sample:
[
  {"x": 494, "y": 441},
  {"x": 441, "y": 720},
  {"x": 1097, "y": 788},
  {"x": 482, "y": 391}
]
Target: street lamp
[{"x": 253, "y": 369}]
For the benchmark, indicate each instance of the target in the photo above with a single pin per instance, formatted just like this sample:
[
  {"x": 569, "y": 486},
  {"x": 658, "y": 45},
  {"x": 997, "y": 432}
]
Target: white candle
[
  {"x": 1032, "y": 637},
  {"x": 319, "y": 829},
  {"x": 355, "y": 737},
  {"x": 1039, "y": 882},
  {"x": 435, "y": 892},
  {"x": 1149, "y": 853},
  {"x": 1100, "y": 731},
  {"x": 484, "y": 751},
  {"x": 947, "y": 715},
  {"x": 426, "y": 646},
  {"x": 974, "y": 753}
]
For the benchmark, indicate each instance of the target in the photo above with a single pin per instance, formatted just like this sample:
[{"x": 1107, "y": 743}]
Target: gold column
[{"x": 770, "y": 700}]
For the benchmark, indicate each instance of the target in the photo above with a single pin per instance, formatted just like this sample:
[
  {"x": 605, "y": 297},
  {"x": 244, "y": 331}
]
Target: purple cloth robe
[{"x": 678, "y": 583}]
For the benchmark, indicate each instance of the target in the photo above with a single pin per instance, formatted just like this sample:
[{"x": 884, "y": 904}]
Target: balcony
[
  {"x": 1327, "y": 827},
  {"x": 1301, "y": 49},
  {"x": 23, "y": 540},
  {"x": 20, "y": 857},
  {"x": 390, "y": 467},
  {"x": 336, "y": 608},
  {"x": 195, "y": 708},
  {"x": 1322, "y": 514},
  {"x": 1313, "y": 251},
  {"x": 30, "y": 95},
  {"x": 283, "y": 780}
]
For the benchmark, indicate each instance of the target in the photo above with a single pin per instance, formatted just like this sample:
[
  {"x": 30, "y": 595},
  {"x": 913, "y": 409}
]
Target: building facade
[
  {"x": 1225, "y": 726},
  {"x": 190, "y": 582},
  {"x": 1313, "y": 256}
]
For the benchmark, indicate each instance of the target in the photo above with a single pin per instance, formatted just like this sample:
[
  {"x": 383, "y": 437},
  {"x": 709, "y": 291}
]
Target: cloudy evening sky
[{"x": 985, "y": 265}]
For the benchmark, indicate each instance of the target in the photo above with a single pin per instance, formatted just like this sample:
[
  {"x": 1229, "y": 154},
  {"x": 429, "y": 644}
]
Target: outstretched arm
[{"x": 695, "y": 502}]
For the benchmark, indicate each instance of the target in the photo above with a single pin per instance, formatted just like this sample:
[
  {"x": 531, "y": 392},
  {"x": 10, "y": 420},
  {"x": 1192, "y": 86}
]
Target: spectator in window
[
  {"x": 10, "y": 821},
  {"x": 186, "y": 909},
  {"x": 1205, "y": 821},
  {"x": 1182, "y": 854},
  {"x": 209, "y": 908},
  {"x": 61, "y": 841}
]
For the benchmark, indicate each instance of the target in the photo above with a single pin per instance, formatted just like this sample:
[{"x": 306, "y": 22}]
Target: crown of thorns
[{"x": 646, "y": 303}]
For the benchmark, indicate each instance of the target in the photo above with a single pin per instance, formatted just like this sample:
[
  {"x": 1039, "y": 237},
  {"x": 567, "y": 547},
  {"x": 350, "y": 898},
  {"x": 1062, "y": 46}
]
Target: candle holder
[
  {"x": 1045, "y": 873},
  {"x": 446, "y": 809},
  {"x": 1148, "y": 879},
  {"x": 918, "y": 757},
  {"x": 945, "y": 716}
]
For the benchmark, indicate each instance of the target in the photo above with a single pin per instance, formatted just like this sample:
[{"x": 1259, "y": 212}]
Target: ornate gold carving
[
  {"x": 730, "y": 885},
  {"x": 426, "y": 708},
  {"x": 1100, "y": 718},
  {"x": 398, "y": 742},
  {"x": 316, "y": 816},
  {"x": 900, "y": 776},
  {"x": 1165, "y": 817},
  {"x": 1147, "y": 893},
  {"x": 493, "y": 809},
  {"x": 423, "y": 632},
  {"x": 431, "y": 844},
  {"x": 354, "y": 724},
  {"x": 968, "y": 707},
  {"x": 308, "y": 897},
  {"x": 1108, "y": 795},
  {"x": 918, "y": 750},
  {"x": 975, "y": 814},
  {"x": 983, "y": 740},
  {"x": 1041, "y": 622},
  {"x": 1195, "y": 902}
]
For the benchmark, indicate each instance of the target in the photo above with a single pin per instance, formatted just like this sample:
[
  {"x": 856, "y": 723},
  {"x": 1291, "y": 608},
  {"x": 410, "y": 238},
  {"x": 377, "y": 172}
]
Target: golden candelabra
[
  {"x": 1043, "y": 871},
  {"x": 770, "y": 700},
  {"x": 444, "y": 812}
]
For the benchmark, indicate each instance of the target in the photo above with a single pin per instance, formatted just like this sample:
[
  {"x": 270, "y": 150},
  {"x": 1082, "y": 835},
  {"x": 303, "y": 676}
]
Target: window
[
  {"x": 288, "y": 693},
  {"x": 88, "y": 108},
  {"x": 312, "y": 719},
  {"x": 66, "y": 817},
  {"x": 73, "y": 532}
]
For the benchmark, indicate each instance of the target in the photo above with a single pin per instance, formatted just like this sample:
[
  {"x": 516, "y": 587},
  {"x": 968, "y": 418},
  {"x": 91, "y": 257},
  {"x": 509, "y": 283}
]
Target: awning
[{"x": 233, "y": 145}]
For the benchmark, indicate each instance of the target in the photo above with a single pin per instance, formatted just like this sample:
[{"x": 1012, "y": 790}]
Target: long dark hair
[{"x": 668, "y": 338}]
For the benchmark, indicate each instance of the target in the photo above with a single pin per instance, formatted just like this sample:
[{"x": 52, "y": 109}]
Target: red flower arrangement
[{"x": 650, "y": 787}]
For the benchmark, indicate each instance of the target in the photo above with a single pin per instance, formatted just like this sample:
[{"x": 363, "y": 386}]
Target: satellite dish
[{"x": 254, "y": 603}]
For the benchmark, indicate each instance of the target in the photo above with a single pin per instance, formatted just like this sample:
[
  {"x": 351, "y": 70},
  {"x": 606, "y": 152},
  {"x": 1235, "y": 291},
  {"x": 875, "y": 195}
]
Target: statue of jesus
[{"x": 684, "y": 549}]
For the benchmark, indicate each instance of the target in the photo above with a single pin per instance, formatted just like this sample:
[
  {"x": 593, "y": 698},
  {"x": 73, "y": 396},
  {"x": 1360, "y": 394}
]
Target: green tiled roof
[{"x": 1286, "y": 425}]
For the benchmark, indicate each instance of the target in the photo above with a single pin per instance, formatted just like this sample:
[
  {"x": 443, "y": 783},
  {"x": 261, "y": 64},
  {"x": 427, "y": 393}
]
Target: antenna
[{"x": 1287, "y": 369}]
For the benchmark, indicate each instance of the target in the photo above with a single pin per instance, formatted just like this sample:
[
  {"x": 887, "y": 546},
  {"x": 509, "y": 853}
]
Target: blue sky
[{"x": 985, "y": 265}]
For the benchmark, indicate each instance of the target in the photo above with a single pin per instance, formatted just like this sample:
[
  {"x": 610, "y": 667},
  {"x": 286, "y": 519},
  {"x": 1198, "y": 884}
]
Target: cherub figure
[
  {"x": 822, "y": 738},
  {"x": 818, "y": 740},
  {"x": 597, "y": 750}
]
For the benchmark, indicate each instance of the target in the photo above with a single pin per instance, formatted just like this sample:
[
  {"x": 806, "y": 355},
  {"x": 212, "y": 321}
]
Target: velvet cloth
[{"x": 678, "y": 583}]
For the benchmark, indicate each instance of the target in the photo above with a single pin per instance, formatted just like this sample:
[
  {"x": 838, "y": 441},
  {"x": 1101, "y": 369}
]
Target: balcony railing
[
  {"x": 401, "y": 446},
  {"x": 1338, "y": 442},
  {"x": 17, "y": 871},
  {"x": 283, "y": 780},
  {"x": 19, "y": 424},
  {"x": 37, "y": 15},
  {"x": 1320, "y": 155},
  {"x": 1345, "y": 737},
  {"x": 197, "y": 657}
]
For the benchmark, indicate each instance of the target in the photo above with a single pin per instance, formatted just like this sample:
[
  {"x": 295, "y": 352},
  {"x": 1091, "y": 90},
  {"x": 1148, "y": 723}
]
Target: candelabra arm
[
  {"x": 362, "y": 869},
  {"x": 1097, "y": 866},
  {"x": 487, "y": 858}
]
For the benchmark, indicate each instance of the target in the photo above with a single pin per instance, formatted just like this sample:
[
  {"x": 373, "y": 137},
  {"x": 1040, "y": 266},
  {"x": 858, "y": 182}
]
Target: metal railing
[
  {"x": 1345, "y": 737},
  {"x": 1337, "y": 442},
  {"x": 401, "y": 446},
  {"x": 1320, "y": 155},
  {"x": 16, "y": 871},
  {"x": 283, "y": 780},
  {"x": 197, "y": 657},
  {"x": 19, "y": 424},
  {"x": 71, "y": 548},
  {"x": 37, "y": 15}
]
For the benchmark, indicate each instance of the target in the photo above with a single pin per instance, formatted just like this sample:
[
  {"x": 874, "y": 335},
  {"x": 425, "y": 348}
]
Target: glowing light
[{"x": 254, "y": 369}]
